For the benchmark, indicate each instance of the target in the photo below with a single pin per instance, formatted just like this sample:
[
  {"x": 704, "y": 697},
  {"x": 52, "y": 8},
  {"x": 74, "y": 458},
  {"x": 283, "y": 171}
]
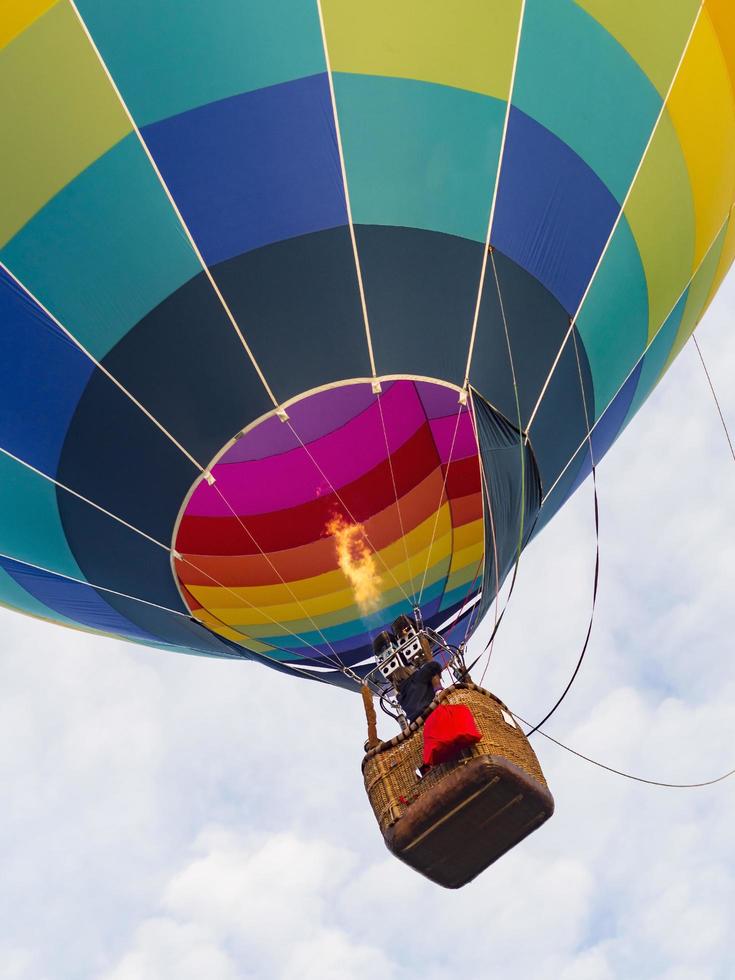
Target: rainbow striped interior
[{"x": 260, "y": 561}]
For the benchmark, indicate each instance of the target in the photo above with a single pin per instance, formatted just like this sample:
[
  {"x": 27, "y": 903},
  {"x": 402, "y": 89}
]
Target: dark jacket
[{"x": 416, "y": 693}]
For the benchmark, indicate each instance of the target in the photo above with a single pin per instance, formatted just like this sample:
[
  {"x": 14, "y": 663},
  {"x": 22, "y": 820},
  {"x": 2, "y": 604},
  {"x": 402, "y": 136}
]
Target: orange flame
[{"x": 357, "y": 561}]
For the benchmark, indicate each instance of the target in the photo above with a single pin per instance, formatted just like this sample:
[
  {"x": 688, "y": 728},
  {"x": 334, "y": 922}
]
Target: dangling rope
[
  {"x": 596, "y": 762},
  {"x": 596, "y": 580},
  {"x": 619, "y": 772},
  {"x": 714, "y": 395}
]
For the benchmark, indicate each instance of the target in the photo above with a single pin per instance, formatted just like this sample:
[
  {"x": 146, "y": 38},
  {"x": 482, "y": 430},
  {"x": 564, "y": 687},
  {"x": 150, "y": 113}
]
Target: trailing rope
[
  {"x": 575, "y": 752},
  {"x": 619, "y": 772},
  {"x": 596, "y": 580}
]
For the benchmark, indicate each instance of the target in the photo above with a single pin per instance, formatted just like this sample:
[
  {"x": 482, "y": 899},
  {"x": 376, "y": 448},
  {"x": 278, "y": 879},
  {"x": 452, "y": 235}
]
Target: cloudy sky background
[{"x": 169, "y": 817}]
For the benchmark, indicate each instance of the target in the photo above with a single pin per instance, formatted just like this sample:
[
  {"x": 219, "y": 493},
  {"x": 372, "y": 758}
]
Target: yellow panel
[
  {"x": 660, "y": 212},
  {"x": 59, "y": 114},
  {"x": 237, "y": 606},
  {"x": 464, "y": 575},
  {"x": 701, "y": 107},
  {"x": 699, "y": 290},
  {"x": 653, "y": 32},
  {"x": 468, "y": 534},
  {"x": 217, "y": 626},
  {"x": 727, "y": 258},
  {"x": 722, "y": 15},
  {"x": 17, "y": 15},
  {"x": 473, "y": 553},
  {"x": 468, "y": 45},
  {"x": 269, "y": 623}
]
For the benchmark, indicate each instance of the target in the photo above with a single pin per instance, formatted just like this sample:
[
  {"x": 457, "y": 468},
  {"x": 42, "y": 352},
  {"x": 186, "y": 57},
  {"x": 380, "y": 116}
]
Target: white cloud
[{"x": 168, "y": 816}]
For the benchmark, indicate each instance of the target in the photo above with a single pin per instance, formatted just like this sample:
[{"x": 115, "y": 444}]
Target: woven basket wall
[{"x": 390, "y": 769}]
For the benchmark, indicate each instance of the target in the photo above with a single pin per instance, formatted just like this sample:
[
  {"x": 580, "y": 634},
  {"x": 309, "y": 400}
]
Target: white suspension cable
[
  {"x": 348, "y": 206},
  {"x": 643, "y": 354},
  {"x": 111, "y": 377},
  {"x": 493, "y": 203},
  {"x": 92, "y": 585},
  {"x": 174, "y": 205},
  {"x": 618, "y": 219}
]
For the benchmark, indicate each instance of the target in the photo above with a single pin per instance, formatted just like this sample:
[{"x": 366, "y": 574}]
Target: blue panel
[
  {"x": 255, "y": 168},
  {"x": 40, "y": 384},
  {"x": 78, "y": 602},
  {"x": 553, "y": 214},
  {"x": 609, "y": 427},
  {"x": 15, "y": 597},
  {"x": 604, "y": 435}
]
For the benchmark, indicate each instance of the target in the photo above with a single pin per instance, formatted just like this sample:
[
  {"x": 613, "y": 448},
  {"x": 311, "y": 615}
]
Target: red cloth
[{"x": 448, "y": 729}]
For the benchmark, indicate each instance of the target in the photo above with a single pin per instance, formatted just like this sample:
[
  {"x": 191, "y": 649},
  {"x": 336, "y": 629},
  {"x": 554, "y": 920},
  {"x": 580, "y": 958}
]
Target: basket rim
[{"x": 418, "y": 723}]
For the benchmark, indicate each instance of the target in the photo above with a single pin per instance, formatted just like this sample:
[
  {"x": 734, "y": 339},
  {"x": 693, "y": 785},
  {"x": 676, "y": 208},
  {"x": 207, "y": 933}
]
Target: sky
[{"x": 167, "y": 816}]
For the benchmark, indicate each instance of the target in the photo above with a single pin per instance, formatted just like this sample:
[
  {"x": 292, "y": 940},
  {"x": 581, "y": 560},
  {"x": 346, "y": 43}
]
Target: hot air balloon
[{"x": 314, "y": 312}]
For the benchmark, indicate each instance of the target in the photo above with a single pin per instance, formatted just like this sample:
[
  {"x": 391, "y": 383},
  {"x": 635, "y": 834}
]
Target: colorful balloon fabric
[{"x": 246, "y": 287}]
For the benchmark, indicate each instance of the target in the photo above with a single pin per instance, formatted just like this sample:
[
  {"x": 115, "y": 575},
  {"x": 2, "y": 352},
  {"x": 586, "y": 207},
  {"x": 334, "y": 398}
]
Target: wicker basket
[{"x": 462, "y": 815}]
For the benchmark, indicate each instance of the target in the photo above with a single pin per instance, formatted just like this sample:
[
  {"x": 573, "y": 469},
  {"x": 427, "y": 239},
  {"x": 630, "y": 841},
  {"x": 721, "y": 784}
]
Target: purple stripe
[
  {"x": 311, "y": 418},
  {"x": 464, "y": 442},
  {"x": 293, "y": 478}
]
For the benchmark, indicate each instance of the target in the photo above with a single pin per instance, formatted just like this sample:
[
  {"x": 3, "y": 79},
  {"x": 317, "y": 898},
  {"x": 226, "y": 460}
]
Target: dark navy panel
[
  {"x": 299, "y": 305},
  {"x": 116, "y": 457},
  {"x": 560, "y": 423},
  {"x": 553, "y": 213},
  {"x": 178, "y": 630},
  {"x": 113, "y": 556},
  {"x": 40, "y": 384},
  {"x": 78, "y": 602},
  {"x": 254, "y": 168},
  {"x": 186, "y": 364},
  {"x": 421, "y": 288},
  {"x": 537, "y": 324},
  {"x": 512, "y": 489}
]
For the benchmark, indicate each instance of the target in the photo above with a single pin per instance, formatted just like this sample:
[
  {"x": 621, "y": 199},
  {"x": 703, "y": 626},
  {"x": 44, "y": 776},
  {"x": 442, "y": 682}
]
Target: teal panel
[
  {"x": 12, "y": 594},
  {"x": 173, "y": 55},
  {"x": 419, "y": 155},
  {"x": 565, "y": 85},
  {"x": 656, "y": 357},
  {"x": 105, "y": 250},
  {"x": 30, "y": 526},
  {"x": 613, "y": 323}
]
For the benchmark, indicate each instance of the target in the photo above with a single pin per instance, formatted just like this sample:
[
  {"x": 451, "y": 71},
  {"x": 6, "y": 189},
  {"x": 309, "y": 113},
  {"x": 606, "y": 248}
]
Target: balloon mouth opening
[{"x": 315, "y": 531}]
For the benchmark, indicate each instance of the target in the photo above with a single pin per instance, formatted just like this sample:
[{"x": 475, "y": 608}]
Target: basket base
[{"x": 471, "y": 817}]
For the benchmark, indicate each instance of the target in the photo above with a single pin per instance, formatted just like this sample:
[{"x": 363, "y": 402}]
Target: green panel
[
  {"x": 15, "y": 597},
  {"x": 566, "y": 86},
  {"x": 470, "y": 45},
  {"x": 614, "y": 320},
  {"x": 59, "y": 114},
  {"x": 30, "y": 525},
  {"x": 419, "y": 155},
  {"x": 661, "y": 213},
  {"x": 653, "y": 31},
  {"x": 106, "y": 250},
  {"x": 173, "y": 55}
]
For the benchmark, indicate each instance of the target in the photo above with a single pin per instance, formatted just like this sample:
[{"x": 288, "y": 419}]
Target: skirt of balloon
[{"x": 482, "y": 793}]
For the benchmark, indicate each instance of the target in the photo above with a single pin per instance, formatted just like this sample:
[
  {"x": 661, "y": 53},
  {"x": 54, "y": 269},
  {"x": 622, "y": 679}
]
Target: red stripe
[{"x": 279, "y": 530}]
